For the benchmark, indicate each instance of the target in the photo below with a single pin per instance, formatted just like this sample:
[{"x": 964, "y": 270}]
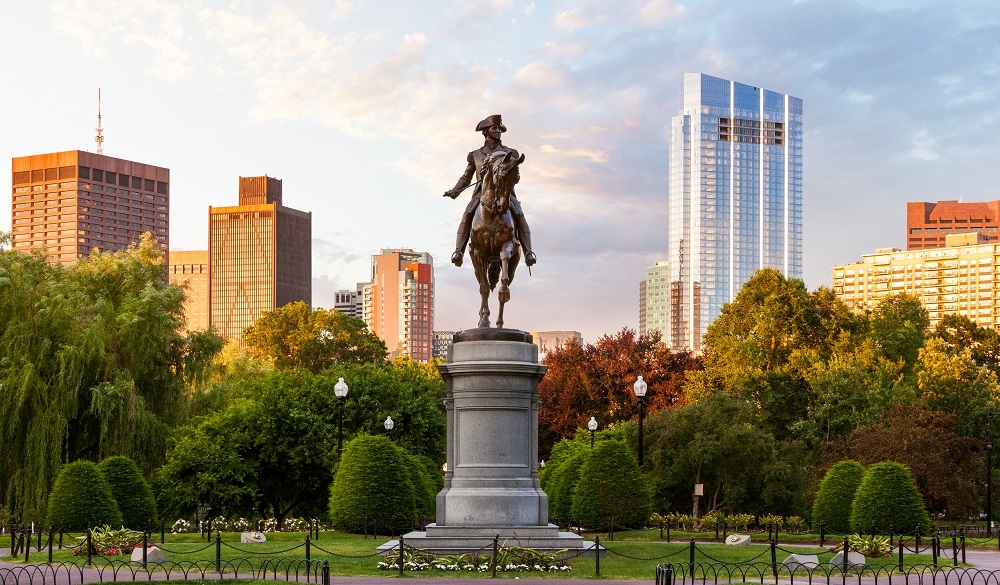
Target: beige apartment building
[{"x": 962, "y": 278}]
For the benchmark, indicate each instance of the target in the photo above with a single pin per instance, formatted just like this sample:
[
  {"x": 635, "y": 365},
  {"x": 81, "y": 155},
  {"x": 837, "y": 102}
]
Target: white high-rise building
[{"x": 735, "y": 197}]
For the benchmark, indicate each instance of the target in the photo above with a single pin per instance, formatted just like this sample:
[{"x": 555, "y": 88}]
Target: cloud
[{"x": 924, "y": 146}]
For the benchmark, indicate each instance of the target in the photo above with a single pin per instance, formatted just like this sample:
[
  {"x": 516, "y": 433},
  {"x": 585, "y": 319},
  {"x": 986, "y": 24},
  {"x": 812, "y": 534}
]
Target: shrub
[
  {"x": 835, "y": 496},
  {"x": 373, "y": 486},
  {"x": 739, "y": 521},
  {"x": 562, "y": 483},
  {"x": 888, "y": 499},
  {"x": 131, "y": 492},
  {"x": 427, "y": 482},
  {"x": 611, "y": 487},
  {"x": 82, "y": 499}
]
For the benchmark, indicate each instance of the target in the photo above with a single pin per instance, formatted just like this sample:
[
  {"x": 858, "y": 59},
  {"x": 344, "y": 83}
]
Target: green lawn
[{"x": 632, "y": 555}]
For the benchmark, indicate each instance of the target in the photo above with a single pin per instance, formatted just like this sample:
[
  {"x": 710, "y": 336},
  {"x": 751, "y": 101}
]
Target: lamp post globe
[
  {"x": 388, "y": 424},
  {"x": 592, "y": 426},
  {"x": 340, "y": 390},
  {"x": 640, "y": 388}
]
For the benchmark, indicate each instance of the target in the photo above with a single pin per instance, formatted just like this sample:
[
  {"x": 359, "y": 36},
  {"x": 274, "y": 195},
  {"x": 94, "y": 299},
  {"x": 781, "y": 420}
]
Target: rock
[
  {"x": 153, "y": 555},
  {"x": 252, "y": 538},
  {"x": 738, "y": 540},
  {"x": 855, "y": 561},
  {"x": 800, "y": 563}
]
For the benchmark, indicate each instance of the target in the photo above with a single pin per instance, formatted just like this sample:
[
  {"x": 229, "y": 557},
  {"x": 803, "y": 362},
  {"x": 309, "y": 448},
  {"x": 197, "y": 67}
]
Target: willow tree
[{"x": 92, "y": 364}]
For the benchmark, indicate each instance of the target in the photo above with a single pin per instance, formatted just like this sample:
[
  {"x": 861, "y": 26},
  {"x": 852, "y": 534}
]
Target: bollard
[
  {"x": 774, "y": 559},
  {"x": 401, "y": 547},
  {"x": 900, "y": 553},
  {"x": 218, "y": 553},
  {"x": 691, "y": 557},
  {"x": 145, "y": 547},
  {"x": 326, "y": 572},
  {"x": 822, "y": 533},
  {"x": 493, "y": 563},
  {"x": 597, "y": 556}
]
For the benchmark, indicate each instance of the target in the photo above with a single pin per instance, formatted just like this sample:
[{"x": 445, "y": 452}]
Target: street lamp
[
  {"x": 989, "y": 470},
  {"x": 592, "y": 426},
  {"x": 388, "y": 424},
  {"x": 341, "y": 391},
  {"x": 640, "y": 393}
]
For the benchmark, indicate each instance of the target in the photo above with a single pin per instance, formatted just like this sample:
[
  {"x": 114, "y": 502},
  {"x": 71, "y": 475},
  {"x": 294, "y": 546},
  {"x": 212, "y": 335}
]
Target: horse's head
[{"x": 502, "y": 174}]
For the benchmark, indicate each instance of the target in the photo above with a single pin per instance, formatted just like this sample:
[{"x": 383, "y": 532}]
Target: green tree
[
  {"x": 563, "y": 484},
  {"x": 898, "y": 324},
  {"x": 836, "y": 495},
  {"x": 373, "y": 487},
  {"x": 887, "y": 499},
  {"x": 296, "y": 336},
  {"x": 949, "y": 380},
  {"x": 94, "y": 364},
  {"x": 611, "y": 488},
  {"x": 130, "y": 491},
  {"x": 82, "y": 499},
  {"x": 959, "y": 333}
]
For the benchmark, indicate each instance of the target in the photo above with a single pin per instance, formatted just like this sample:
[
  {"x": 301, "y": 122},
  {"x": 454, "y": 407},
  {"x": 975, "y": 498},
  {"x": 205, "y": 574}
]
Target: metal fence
[{"x": 762, "y": 572}]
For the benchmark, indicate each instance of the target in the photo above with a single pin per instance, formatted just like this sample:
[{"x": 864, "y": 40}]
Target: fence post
[
  {"x": 40, "y": 531},
  {"x": 27, "y": 546},
  {"x": 661, "y": 529},
  {"x": 770, "y": 535},
  {"x": 52, "y": 532},
  {"x": 725, "y": 530},
  {"x": 401, "y": 547},
  {"x": 847, "y": 549},
  {"x": 716, "y": 530},
  {"x": 326, "y": 572},
  {"x": 496, "y": 544},
  {"x": 774, "y": 559},
  {"x": 163, "y": 532},
  {"x": 60, "y": 537},
  {"x": 691, "y": 557},
  {"x": 668, "y": 533},
  {"x": 916, "y": 538},
  {"x": 13, "y": 540},
  {"x": 954, "y": 549},
  {"x": 963, "y": 544},
  {"x": 218, "y": 553},
  {"x": 308, "y": 537},
  {"x": 822, "y": 533},
  {"x": 145, "y": 547},
  {"x": 900, "y": 553},
  {"x": 934, "y": 549},
  {"x": 90, "y": 548},
  {"x": 597, "y": 556},
  {"x": 611, "y": 520},
  {"x": 890, "y": 536}
]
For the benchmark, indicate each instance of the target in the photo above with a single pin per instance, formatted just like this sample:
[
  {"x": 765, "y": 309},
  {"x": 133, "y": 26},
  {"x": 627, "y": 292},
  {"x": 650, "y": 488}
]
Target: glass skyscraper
[{"x": 735, "y": 197}]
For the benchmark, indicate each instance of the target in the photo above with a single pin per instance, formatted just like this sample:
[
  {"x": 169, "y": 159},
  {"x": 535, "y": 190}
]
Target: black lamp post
[
  {"x": 640, "y": 393},
  {"x": 341, "y": 391},
  {"x": 989, "y": 471},
  {"x": 592, "y": 426}
]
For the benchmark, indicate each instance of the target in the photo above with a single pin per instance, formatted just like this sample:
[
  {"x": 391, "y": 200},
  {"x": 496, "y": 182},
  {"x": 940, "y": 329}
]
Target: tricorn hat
[{"x": 491, "y": 121}]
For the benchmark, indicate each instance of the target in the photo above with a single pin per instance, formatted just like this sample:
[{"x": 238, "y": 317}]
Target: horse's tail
[{"x": 493, "y": 274}]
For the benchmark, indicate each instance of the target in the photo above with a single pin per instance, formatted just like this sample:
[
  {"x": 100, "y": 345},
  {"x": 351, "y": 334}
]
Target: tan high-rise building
[
  {"x": 962, "y": 278},
  {"x": 189, "y": 268},
  {"x": 928, "y": 224},
  {"x": 71, "y": 202},
  {"x": 399, "y": 302},
  {"x": 260, "y": 256}
]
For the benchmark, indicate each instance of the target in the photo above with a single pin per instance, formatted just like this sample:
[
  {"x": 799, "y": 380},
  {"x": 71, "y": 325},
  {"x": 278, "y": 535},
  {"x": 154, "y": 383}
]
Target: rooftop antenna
[{"x": 99, "y": 139}]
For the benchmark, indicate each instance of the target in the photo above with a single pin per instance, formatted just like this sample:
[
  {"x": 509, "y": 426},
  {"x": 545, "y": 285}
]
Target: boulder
[
  {"x": 855, "y": 561},
  {"x": 153, "y": 555},
  {"x": 800, "y": 563},
  {"x": 738, "y": 540},
  {"x": 252, "y": 537}
]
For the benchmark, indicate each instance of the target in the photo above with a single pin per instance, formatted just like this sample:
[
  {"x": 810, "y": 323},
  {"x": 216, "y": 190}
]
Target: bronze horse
[{"x": 493, "y": 247}]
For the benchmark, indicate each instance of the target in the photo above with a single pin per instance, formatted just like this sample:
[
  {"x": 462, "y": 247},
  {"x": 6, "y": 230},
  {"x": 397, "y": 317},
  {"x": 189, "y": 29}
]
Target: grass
[{"x": 632, "y": 555}]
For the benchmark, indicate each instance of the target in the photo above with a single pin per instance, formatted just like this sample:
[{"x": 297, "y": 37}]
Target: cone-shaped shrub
[
  {"x": 131, "y": 492},
  {"x": 835, "y": 496},
  {"x": 373, "y": 486},
  {"x": 562, "y": 483},
  {"x": 82, "y": 499},
  {"x": 888, "y": 499},
  {"x": 611, "y": 488}
]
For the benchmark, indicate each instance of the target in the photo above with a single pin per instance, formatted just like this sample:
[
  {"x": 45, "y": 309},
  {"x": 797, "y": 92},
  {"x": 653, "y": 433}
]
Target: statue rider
[{"x": 491, "y": 128}]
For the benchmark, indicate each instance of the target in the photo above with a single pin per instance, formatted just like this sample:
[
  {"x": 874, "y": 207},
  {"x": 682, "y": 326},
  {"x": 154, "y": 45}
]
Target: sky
[{"x": 367, "y": 109}]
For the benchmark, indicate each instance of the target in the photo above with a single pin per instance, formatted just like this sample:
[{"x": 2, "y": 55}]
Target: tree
[
  {"x": 81, "y": 499},
  {"x": 887, "y": 499},
  {"x": 563, "y": 484},
  {"x": 949, "y": 380},
  {"x": 596, "y": 380},
  {"x": 296, "y": 336},
  {"x": 373, "y": 487},
  {"x": 836, "y": 494},
  {"x": 929, "y": 445},
  {"x": 959, "y": 333},
  {"x": 94, "y": 364},
  {"x": 611, "y": 488},
  {"x": 898, "y": 325},
  {"x": 130, "y": 491}
]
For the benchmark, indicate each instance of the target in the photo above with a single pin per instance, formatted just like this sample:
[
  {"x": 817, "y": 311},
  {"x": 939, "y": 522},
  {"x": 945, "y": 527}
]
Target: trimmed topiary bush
[
  {"x": 131, "y": 492},
  {"x": 611, "y": 487},
  {"x": 562, "y": 483},
  {"x": 835, "y": 496},
  {"x": 888, "y": 499},
  {"x": 82, "y": 499},
  {"x": 373, "y": 486}
]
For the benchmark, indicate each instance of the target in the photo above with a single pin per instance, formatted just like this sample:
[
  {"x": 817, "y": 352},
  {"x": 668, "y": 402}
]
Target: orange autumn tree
[{"x": 596, "y": 380}]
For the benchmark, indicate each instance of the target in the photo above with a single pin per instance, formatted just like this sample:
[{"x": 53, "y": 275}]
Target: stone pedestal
[{"x": 491, "y": 485}]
